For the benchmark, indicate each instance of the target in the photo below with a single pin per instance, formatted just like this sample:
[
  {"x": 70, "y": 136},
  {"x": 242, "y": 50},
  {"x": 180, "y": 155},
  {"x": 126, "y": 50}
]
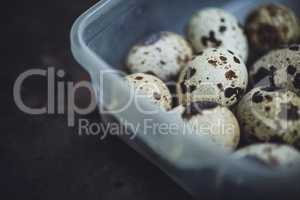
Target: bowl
[{"x": 100, "y": 39}]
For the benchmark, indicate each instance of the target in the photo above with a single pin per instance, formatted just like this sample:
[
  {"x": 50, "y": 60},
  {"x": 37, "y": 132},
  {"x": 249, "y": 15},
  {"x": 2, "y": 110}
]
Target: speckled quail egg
[
  {"x": 151, "y": 87},
  {"x": 213, "y": 27},
  {"x": 270, "y": 115},
  {"x": 280, "y": 68},
  {"x": 270, "y": 155},
  {"x": 271, "y": 26},
  {"x": 210, "y": 119},
  {"x": 216, "y": 75},
  {"x": 162, "y": 54}
]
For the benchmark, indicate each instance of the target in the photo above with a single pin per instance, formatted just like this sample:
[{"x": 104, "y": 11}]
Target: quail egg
[
  {"x": 213, "y": 27},
  {"x": 270, "y": 155},
  {"x": 280, "y": 68},
  {"x": 162, "y": 54},
  {"x": 151, "y": 87},
  {"x": 270, "y": 115},
  {"x": 210, "y": 119},
  {"x": 216, "y": 75},
  {"x": 271, "y": 26}
]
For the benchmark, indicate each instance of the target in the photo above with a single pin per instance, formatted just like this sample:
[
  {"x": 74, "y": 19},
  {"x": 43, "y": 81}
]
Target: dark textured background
[{"x": 41, "y": 158}]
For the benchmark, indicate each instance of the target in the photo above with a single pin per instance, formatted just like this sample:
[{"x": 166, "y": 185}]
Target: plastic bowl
[{"x": 100, "y": 39}]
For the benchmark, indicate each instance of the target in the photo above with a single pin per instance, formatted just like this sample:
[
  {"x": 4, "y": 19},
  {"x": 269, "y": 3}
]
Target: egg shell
[
  {"x": 151, "y": 87},
  {"x": 271, "y": 26},
  {"x": 280, "y": 68},
  {"x": 210, "y": 119},
  {"x": 270, "y": 155},
  {"x": 162, "y": 54},
  {"x": 216, "y": 75},
  {"x": 214, "y": 27},
  {"x": 270, "y": 115}
]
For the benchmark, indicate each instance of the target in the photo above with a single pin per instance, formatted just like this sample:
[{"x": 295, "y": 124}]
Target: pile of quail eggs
[{"x": 246, "y": 78}]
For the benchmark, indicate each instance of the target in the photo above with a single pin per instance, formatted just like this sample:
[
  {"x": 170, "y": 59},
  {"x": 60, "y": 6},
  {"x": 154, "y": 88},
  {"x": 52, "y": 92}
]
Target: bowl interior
[{"x": 128, "y": 22}]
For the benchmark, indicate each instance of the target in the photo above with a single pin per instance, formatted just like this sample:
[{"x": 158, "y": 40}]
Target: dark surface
[{"x": 41, "y": 157}]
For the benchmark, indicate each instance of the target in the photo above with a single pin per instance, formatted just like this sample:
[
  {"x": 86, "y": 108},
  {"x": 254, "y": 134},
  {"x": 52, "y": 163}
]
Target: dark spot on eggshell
[
  {"x": 223, "y": 58},
  {"x": 192, "y": 88},
  {"x": 139, "y": 78},
  {"x": 272, "y": 68},
  {"x": 257, "y": 97},
  {"x": 213, "y": 62},
  {"x": 190, "y": 72},
  {"x": 230, "y": 52},
  {"x": 272, "y": 75},
  {"x": 267, "y": 108},
  {"x": 212, "y": 39},
  {"x": 289, "y": 112},
  {"x": 236, "y": 91},
  {"x": 222, "y": 29},
  {"x": 196, "y": 108},
  {"x": 230, "y": 75},
  {"x": 163, "y": 62},
  {"x": 157, "y": 96},
  {"x": 269, "y": 98},
  {"x": 291, "y": 70},
  {"x": 220, "y": 86},
  {"x": 294, "y": 48},
  {"x": 296, "y": 81},
  {"x": 268, "y": 35},
  {"x": 236, "y": 60},
  {"x": 260, "y": 74},
  {"x": 158, "y": 49}
]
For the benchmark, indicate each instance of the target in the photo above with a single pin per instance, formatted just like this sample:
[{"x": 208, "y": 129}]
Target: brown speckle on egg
[
  {"x": 212, "y": 39},
  {"x": 222, "y": 29},
  {"x": 236, "y": 60},
  {"x": 291, "y": 70},
  {"x": 257, "y": 97},
  {"x": 271, "y": 26},
  {"x": 296, "y": 81},
  {"x": 230, "y": 75},
  {"x": 213, "y": 62}
]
